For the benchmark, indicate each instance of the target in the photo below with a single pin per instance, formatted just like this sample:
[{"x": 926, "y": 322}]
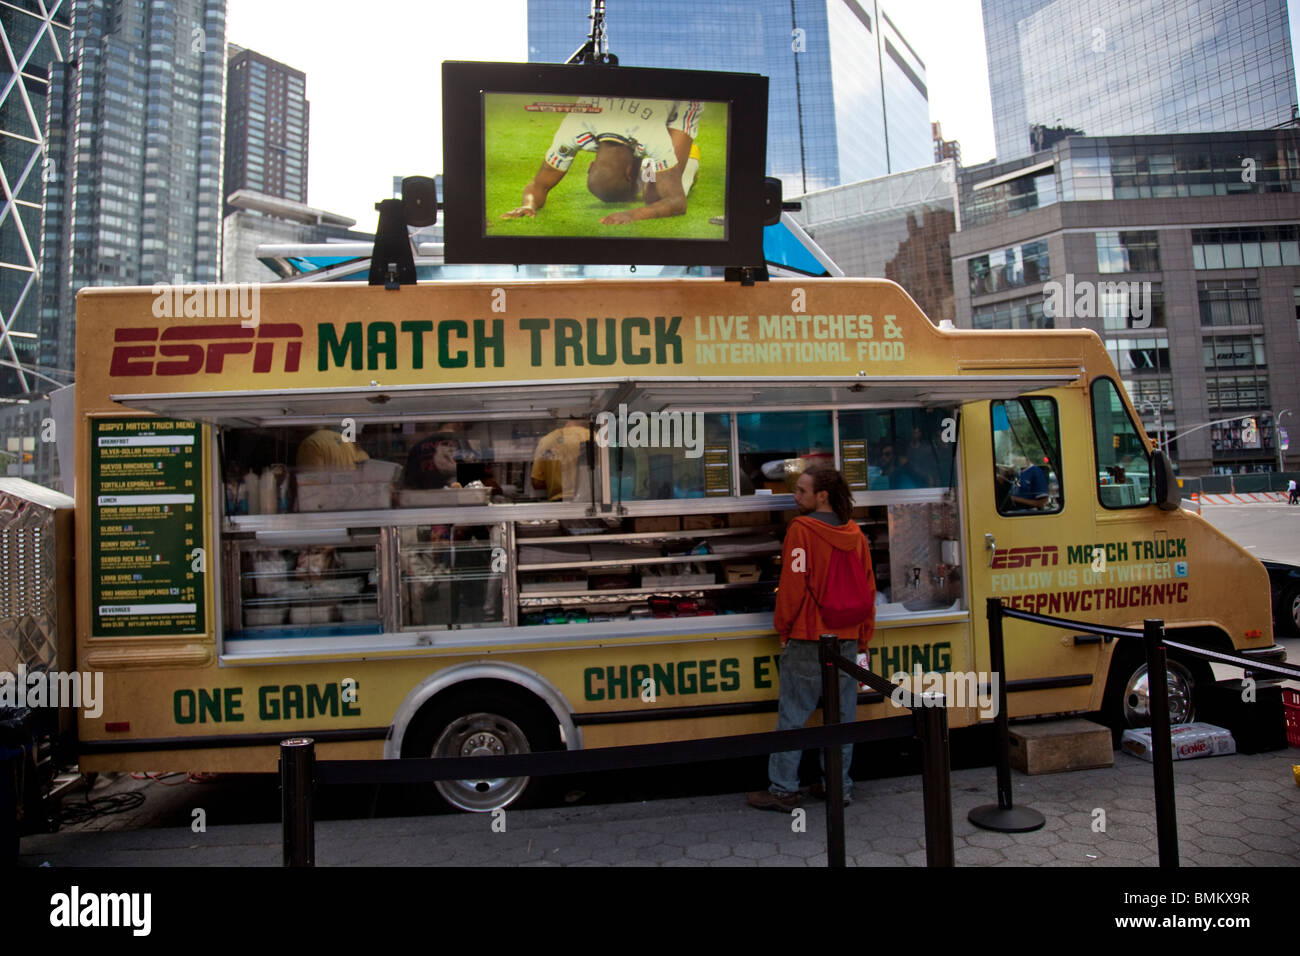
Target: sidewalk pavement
[{"x": 1238, "y": 810}]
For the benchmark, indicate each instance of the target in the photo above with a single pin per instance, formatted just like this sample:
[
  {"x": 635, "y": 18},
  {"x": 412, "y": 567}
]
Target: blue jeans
[{"x": 801, "y": 687}]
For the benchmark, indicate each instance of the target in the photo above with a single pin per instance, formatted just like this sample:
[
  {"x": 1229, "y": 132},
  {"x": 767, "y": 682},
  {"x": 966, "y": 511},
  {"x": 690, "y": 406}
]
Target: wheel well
[
  {"x": 1204, "y": 636},
  {"x": 534, "y": 706},
  {"x": 1209, "y": 638}
]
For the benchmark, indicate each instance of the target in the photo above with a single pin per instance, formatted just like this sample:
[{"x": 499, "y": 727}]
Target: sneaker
[
  {"x": 767, "y": 800},
  {"x": 819, "y": 791}
]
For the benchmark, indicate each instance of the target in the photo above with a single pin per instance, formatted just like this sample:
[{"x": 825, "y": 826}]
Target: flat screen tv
[{"x": 546, "y": 163}]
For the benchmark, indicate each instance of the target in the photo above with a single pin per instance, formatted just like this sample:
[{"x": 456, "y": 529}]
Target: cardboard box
[
  {"x": 1188, "y": 741},
  {"x": 748, "y": 519}
]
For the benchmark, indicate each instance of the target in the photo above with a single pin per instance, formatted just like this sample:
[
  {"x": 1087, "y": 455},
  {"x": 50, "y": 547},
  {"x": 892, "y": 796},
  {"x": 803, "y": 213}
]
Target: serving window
[
  {"x": 351, "y": 466},
  {"x": 776, "y": 448},
  {"x": 898, "y": 448},
  {"x": 673, "y": 455}
]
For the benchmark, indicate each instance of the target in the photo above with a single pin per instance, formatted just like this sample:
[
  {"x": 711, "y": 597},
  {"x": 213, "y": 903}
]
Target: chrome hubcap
[
  {"x": 1295, "y": 610},
  {"x": 481, "y": 735},
  {"x": 1137, "y": 704}
]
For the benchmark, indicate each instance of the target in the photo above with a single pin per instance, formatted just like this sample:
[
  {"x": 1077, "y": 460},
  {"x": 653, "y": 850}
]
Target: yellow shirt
[
  {"x": 326, "y": 449},
  {"x": 555, "y": 460}
]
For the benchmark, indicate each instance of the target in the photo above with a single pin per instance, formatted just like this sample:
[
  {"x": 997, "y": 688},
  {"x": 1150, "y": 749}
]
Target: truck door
[{"x": 1028, "y": 502}]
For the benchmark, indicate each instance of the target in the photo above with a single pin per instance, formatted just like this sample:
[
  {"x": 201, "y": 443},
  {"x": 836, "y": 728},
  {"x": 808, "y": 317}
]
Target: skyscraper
[
  {"x": 1118, "y": 67},
  {"x": 135, "y": 196},
  {"x": 847, "y": 97},
  {"x": 267, "y": 117},
  {"x": 34, "y": 37}
]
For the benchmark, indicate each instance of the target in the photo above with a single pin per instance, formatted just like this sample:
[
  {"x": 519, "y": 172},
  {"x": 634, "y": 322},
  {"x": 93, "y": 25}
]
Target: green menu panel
[{"x": 146, "y": 491}]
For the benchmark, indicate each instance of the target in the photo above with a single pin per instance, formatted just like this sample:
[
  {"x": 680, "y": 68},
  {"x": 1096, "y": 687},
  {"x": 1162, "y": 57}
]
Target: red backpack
[{"x": 850, "y": 597}]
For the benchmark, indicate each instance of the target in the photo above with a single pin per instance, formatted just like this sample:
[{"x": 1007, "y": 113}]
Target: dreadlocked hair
[{"x": 839, "y": 497}]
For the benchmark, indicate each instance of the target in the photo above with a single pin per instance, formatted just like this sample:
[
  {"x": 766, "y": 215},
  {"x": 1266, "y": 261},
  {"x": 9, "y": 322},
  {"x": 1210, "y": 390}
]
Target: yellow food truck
[{"x": 481, "y": 518}]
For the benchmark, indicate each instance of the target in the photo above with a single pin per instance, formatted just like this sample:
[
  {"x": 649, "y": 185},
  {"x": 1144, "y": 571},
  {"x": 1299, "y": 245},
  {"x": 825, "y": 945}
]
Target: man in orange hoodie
[{"x": 824, "y": 525}]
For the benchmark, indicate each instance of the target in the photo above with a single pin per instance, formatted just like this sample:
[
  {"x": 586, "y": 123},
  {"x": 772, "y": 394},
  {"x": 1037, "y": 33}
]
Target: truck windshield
[{"x": 1123, "y": 463}]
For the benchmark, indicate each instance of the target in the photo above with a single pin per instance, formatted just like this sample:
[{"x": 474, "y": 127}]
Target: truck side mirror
[{"x": 1164, "y": 482}]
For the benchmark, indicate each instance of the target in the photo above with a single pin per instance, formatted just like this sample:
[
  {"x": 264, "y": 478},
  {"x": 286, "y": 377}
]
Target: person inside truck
[
  {"x": 327, "y": 450},
  {"x": 559, "y": 464},
  {"x": 431, "y": 462},
  {"x": 1031, "y": 487}
]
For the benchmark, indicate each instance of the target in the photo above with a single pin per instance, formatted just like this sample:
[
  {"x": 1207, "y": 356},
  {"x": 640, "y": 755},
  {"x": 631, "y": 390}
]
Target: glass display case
[{"x": 299, "y": 584}]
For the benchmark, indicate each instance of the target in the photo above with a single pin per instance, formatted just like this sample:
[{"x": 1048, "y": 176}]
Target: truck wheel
[
  {"x": 1288, "y": 616},
  {"x": 484, "y": 724},
  {"x": 1126, "y": 702}
]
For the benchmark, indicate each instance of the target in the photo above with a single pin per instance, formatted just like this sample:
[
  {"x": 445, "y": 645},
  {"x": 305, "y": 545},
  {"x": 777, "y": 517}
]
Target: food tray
[
  {"x": 670, "y": 576},
  {"x": 442, "y": 497},
  {"x": 338, "y": 587},
  {"x": 553, "y": 553},
  {"x": 312, "y": 614},
  {"x": 373, "y": 469},
  {"x": 360, "y": 611},
  {"x": 554, "y": 581},
  {"x": 265, "y": 616},
  {"x": 321, "y": 587},
  {"x": 357, "y": 560},
  {"x": 748, "y": 542},
  {"x": 345, "y": 496}
]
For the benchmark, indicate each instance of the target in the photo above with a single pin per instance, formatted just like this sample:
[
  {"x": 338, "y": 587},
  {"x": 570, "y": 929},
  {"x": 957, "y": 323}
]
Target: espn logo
[
  {"x": 189, "y": 350},
  {"x": 1046, "y": 555}
]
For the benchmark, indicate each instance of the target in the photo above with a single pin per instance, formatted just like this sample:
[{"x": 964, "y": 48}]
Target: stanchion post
[
  {"x": 297, "y": 776},
  {"x": 998, "y": 665},
  {"x": 829, "y": 652},
  {"x": 936, "y": 778},
  {"x": 1005, "y": 817},
  {"x": 1162, "y": 747}
]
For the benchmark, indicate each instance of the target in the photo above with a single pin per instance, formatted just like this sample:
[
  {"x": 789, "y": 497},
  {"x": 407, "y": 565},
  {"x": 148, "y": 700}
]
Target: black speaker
[
  {"x": 419, "y": 201},
  {"x": 771, "y": 200}
]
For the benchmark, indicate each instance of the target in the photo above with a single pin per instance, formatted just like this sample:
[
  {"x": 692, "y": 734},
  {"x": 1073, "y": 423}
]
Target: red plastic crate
[{"x": 1291, "y": 705}]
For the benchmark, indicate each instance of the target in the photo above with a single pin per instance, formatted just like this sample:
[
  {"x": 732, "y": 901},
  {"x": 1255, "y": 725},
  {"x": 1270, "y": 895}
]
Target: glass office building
[
  {"x": 894, "y": 227},
  {"x": 847, "y": 98},
  {"x": 1115, "y": 67},
  {"x": 136, "y": 119},
  {"x": 1181, "y": 252},
  {"x": 34, "y": 37},
  {"x": 267, "y": 120}
]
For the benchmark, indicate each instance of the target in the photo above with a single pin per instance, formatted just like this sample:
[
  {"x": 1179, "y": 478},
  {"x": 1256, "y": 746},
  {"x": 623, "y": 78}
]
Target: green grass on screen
[{"x": 515, "y": 143}]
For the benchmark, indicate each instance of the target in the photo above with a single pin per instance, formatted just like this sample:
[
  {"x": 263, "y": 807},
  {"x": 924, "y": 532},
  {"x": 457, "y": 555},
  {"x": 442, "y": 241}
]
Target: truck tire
[
  {"x": 1287, "y": 619},
  {"x": 467, "y": 723},
  {"x": 1125, "y": 702}
]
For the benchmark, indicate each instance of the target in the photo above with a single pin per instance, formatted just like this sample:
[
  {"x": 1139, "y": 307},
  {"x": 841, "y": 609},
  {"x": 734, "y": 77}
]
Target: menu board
[
  {"x": 147, "y": 569},
  {"x": 717, "y": 470},
  {"x": 853, "y": 458}
]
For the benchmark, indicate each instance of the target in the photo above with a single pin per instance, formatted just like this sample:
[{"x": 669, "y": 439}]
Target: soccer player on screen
[{"x": 645, "y": 149}]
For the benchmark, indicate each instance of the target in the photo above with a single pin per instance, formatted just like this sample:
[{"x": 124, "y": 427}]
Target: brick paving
[{"x": 1240, "y": 810}]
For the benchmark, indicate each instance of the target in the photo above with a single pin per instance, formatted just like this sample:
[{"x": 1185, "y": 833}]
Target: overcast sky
[{"x": 364, "y": 131}]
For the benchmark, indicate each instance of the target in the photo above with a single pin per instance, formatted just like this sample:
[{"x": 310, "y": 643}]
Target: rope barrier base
[{"x": 1009, "y": 820}]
